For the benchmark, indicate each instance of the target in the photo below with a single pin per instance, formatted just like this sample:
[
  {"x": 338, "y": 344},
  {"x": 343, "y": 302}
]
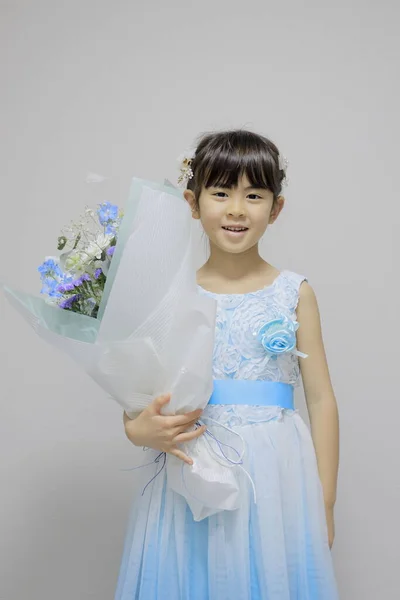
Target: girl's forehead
[{"x": 244, "y": 181}]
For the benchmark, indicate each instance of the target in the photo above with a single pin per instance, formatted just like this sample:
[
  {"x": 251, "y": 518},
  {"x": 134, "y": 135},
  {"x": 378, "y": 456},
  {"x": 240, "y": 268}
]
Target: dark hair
[{"x": 222, "y": 158}]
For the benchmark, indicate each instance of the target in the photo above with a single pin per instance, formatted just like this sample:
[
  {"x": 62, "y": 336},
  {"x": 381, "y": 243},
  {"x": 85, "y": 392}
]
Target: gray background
[{"x": 122, "y": 88}]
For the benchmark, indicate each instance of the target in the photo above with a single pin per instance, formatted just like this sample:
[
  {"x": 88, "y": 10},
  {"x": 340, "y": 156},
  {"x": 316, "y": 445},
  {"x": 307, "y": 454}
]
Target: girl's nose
[
  {"x": 236, "y": 212},
  {"x": 236, "y": 209}
]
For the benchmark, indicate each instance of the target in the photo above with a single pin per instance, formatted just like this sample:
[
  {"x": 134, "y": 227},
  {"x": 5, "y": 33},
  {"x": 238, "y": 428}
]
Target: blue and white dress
[{"x": 274, "y": 549}]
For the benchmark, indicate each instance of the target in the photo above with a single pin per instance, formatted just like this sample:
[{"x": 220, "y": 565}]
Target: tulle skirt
[{"x": 273, "y": 549}]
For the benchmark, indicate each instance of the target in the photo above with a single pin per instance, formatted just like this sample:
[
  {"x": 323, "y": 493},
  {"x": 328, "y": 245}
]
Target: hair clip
[
  {"x": 185, "y": 161},
  {"x": 283, "y": 162},
  {"x": 283, "y": 165}
]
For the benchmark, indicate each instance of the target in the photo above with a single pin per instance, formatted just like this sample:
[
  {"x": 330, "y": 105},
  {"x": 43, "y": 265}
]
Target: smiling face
[{"x": 235, "y": 218}]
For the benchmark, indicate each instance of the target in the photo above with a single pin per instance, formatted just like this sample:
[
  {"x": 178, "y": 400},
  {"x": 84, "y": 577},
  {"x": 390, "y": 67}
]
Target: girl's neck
[{"x": 235, "y": 272}]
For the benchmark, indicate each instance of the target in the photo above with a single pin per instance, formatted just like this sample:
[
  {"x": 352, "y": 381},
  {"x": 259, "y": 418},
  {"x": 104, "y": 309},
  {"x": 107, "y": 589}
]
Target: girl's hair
[{"x": 222, "y": 158}]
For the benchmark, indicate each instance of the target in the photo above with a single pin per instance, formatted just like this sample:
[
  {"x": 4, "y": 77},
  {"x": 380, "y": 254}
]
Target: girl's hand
[
  {"x": 160, "y": 432},
  {"x": 330, "y": 521}
]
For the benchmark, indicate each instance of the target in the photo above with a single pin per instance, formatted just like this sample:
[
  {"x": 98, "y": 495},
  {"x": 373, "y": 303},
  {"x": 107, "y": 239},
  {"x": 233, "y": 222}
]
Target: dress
[{"x": 274, "y": 549}]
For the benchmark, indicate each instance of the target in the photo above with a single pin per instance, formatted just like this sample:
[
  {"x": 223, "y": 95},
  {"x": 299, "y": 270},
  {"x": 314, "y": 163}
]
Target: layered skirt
[{"x": 274, "y": 547}]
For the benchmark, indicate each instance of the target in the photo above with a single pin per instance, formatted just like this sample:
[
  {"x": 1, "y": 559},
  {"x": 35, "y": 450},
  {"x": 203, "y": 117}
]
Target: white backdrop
[{"x": 122, "y": 88}]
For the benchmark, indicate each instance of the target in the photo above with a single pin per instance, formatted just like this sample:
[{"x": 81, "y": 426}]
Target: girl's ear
[
  {"x": 276, "y": 209},
  {"x": 191, "y": 200}
]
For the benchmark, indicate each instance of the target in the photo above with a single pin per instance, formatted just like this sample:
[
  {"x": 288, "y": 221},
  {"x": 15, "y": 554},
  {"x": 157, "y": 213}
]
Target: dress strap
[{"x": 290, "y": 288}]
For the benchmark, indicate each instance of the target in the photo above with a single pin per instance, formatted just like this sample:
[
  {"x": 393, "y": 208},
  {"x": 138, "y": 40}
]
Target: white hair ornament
[
  {"x": 185, "y": 161},
  {"x": 283, "y": 164}
]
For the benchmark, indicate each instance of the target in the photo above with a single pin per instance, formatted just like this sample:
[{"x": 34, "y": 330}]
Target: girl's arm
[{"x": 320, "y": 397}]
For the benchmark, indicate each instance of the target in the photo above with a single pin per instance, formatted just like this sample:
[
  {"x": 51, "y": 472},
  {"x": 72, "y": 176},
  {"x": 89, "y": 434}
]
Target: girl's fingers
[
  {"x": 187, "y": 419},
  {"x": 181, "y": 455},
  {"x": 190, "y": 435},
  {"x": 183, "y": 428},
  {"x": 159, "y": 402}
]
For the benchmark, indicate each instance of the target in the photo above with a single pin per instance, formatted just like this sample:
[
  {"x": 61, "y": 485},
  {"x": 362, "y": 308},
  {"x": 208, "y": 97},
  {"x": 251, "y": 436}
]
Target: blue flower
[
  {"x": 279, "y": 336},
  {"x": 66, "y": 304},
  {"x": 52, "y": 278},
  {"x": 50, "y": 287},
  {"x": 111, "y": 229},
  {"x": 50, "y": 268},
  {"x": 108, "y": 214},
  {"x": 97, "y": 273},
  {"x": 78, "y": 282},
  {"x": 110, "y": 251}
]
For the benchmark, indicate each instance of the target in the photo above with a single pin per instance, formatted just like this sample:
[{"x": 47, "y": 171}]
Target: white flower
[
  {"x": 73, "y": 262},
  {"x": 95, "y": 249}
]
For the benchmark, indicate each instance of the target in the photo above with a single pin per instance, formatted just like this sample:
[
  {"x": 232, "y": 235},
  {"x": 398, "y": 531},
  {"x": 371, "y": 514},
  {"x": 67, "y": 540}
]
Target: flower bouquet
[
  {"x": 75, "y": 280},
  {"x": 122, "y": 301}
]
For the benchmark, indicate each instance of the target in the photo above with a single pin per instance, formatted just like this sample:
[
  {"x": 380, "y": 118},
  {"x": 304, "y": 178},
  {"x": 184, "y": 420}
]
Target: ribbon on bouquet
[
  {"x": 221, "y": 457},
  {"x": 218, "y": 452},
  {"x": 161, "y": 456}
]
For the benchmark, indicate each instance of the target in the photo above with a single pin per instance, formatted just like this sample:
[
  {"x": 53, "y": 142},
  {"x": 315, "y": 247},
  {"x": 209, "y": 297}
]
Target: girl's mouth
[{"x": 235, "y": 231}]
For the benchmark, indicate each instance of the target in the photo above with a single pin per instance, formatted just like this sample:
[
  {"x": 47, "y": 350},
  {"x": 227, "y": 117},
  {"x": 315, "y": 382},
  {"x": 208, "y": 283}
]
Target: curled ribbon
[{"x": 221, "y": 457}]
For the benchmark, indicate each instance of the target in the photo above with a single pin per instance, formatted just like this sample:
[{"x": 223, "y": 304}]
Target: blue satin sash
[{"x": 253, "y": 393}]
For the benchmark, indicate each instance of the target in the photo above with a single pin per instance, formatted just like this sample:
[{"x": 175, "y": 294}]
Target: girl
[{"x": 277, "y": 548}]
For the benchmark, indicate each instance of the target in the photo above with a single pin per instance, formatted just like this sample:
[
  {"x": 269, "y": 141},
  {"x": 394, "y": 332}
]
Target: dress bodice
[{"x": 238, "y": 351}]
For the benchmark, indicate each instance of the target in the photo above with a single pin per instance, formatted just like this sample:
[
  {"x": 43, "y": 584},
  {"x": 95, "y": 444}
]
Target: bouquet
[
  {"x": 122, "y": 301},
  {"x": 75, "y": 280}
]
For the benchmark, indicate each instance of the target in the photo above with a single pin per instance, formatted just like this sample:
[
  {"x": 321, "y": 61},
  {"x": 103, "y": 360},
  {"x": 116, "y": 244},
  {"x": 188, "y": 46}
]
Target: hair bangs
[{"x": 225, "y": 169}]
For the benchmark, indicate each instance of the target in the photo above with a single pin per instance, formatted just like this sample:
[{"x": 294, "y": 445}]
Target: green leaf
[{"x": 62, "y": 241}]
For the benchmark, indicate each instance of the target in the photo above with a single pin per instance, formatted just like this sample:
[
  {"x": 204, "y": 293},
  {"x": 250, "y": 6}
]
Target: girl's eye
[{"x": 250, "y": 196}]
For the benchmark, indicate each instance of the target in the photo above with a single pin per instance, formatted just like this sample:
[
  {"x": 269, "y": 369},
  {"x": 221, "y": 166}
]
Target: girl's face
[{"x": 235, "y": 219}]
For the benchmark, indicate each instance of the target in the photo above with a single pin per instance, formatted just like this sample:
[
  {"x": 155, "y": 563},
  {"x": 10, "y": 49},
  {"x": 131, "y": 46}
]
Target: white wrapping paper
[{"x": 154, "y": 334}]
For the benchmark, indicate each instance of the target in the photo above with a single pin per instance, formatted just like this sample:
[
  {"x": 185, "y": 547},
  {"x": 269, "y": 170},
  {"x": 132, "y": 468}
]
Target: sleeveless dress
[{"x": 273, "y": 549}]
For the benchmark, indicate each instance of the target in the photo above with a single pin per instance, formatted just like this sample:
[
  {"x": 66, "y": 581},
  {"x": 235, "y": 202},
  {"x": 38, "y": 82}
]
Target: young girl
[{"x": 277, "y": 548}]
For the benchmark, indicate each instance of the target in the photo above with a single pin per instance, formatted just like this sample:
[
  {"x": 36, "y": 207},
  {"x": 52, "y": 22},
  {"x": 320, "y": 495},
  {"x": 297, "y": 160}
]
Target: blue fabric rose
[{"x": 279, "y": 336}]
